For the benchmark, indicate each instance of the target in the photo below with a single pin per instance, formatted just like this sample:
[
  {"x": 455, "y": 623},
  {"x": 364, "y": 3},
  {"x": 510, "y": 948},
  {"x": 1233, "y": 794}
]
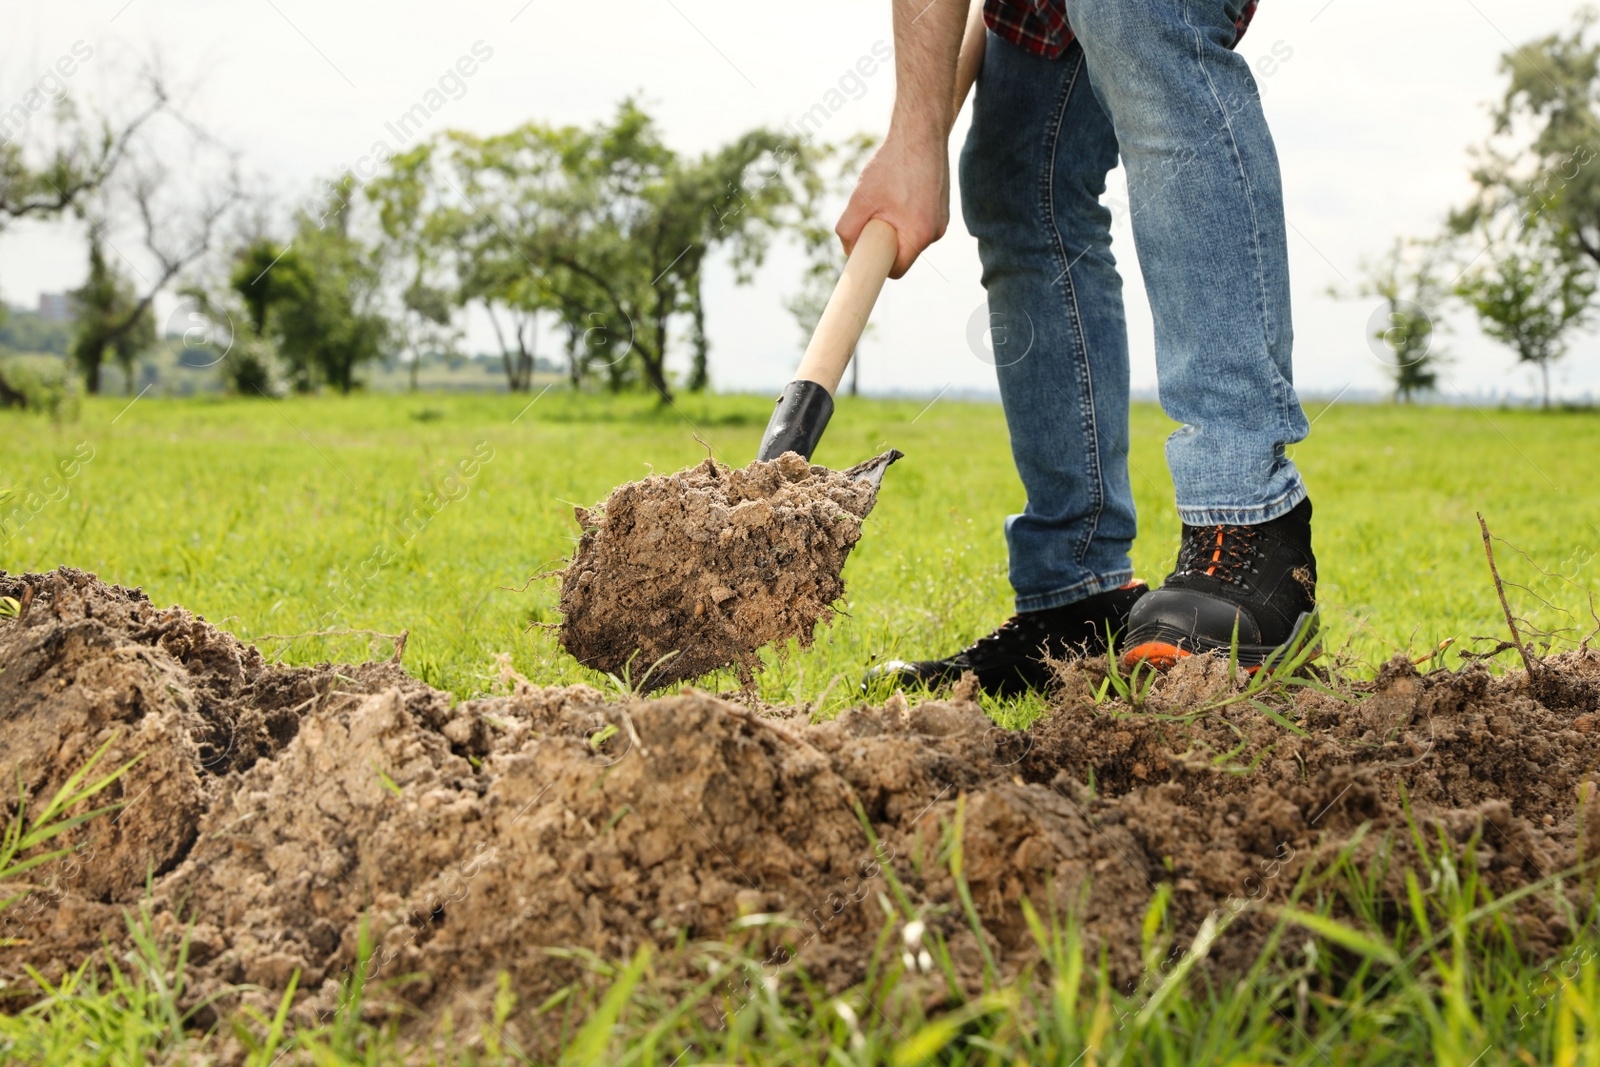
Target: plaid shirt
[{"x": 1040, "y": 26}]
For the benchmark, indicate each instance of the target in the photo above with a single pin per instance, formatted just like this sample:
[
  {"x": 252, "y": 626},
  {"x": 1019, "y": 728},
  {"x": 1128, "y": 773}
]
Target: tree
[
  {"x": 170, "y": 217},
  {"x": 112, "y": 319},
  {"x": 414, "y": 249},
  {"x": 606, "y": 229},
  {"x": 1536, "y": 211},
  {"x": 640, "y": 221},
  {"x": 460, "y": 250},
  {"x": 317, "y": 297},
  {"x": 245, "y": 357},
  {"x": 1539, "y": 162},
  {"x": 1404, "y": 329},
  {"x": 79, "y": 156},
  {"x": 427, "y": 325},
  {"x": 1528, "y": 288},
  {"x": 342, "y": 325},
  {"x": 266, "y": 275},
  {"x": 512, "y": 297},
  {"x": 76, "y": 157}
]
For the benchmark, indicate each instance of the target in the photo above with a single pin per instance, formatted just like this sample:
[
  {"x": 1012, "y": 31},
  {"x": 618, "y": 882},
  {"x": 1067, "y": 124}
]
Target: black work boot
[
  {"x": 1261, "y": 579},
  {"x": 1011, "y": 660}
]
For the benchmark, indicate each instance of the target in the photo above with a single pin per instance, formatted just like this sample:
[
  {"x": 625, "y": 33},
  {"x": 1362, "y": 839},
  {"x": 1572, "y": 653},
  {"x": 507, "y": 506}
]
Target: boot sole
[
  {"x": 1165, "y": 648},
  {"x": 900, "y": 673}
]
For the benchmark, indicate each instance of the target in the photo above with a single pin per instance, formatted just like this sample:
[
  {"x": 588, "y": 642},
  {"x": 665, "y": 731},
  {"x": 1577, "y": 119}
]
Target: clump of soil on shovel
[
  {"x": 281, "y": 811},
  {"x": 685, "y": 573}
]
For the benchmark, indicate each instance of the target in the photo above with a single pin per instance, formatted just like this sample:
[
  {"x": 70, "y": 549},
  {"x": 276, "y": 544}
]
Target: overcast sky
[{"x": 1373, "y": 105}]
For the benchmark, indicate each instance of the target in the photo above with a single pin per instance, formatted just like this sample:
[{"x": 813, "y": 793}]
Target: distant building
[{"x": 55, "y": 307}]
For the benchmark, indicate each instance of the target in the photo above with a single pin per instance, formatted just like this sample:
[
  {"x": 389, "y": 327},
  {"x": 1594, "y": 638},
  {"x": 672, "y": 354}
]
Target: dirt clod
[
  {"x": 685, "y": 573},
  {"x": 280, "y": 811}
]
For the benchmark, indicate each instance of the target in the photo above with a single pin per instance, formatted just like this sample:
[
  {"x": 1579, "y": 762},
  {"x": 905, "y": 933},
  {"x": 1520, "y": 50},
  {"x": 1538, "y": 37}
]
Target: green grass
[
  {"x": 302, "y": 515},
  {"x": 1437, "y": 980}
]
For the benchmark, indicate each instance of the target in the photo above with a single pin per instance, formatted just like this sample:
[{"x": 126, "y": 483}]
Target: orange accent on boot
[
  {"x": 1216, "y": 557},
  {"x": 1159, "y": 654},
  {"x": 1137, "y": 582}
]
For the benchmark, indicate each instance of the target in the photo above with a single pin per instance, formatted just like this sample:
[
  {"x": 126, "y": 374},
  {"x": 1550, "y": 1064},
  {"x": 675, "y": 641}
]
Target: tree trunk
[
  {"x": 522, "y": 372},
  {"x": 855, "y": 372},
  {"x": 91, "y": 378},
  {"x": 1544, "y": 376},
  {"x": 700, "y": 373},
  {"x": 505, "y": 352},
  {"x": 531, "y": 356},
  {"x": 519, "y": 366},
  {"x": 9, "y": 397},
  {"x": 574, "y": 360},
  {"x": 654, "y": 364},
  {"x": 657, "y": 378}
]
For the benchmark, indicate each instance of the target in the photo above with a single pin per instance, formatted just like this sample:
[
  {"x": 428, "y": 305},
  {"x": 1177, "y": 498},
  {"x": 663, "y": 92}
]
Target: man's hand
[
  {"x": 907, "y": 185},
  {"x": 907, "y": 181}
]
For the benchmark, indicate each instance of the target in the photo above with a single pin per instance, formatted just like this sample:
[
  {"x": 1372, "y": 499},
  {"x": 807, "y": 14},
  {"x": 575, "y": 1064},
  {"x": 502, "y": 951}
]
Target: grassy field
[{"x": 310, "y": 514}]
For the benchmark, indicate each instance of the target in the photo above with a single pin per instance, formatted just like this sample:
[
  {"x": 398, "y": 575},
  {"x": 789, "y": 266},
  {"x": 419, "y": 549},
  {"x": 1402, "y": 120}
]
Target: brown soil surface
[
  {"x": 276, "y": 807},
  {"x": 708, "y": 565}
]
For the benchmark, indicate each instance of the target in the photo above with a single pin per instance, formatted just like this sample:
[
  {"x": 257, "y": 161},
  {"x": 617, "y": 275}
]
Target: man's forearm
[
  {"x": 907, "y": 181},
  {"x": 927, "y": 37}
]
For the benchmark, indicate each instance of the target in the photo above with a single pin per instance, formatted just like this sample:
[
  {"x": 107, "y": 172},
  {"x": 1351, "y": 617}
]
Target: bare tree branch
[{"x": 75, "y": 169}]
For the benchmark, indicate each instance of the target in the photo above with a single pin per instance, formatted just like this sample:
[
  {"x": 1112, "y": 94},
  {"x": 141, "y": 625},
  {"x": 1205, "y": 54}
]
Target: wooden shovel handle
[{"x": 845, "y": 317}]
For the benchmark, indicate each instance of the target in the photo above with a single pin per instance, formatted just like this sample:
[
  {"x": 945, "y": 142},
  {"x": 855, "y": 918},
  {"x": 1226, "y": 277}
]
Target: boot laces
[
  {"x": 1016, "y": 634},
  {"x": 1222, "y": 551}
]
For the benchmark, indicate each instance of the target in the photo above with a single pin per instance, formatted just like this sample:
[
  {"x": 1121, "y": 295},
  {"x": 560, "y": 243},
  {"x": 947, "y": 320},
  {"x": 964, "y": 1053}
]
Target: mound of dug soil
[
  {"x": 278, "y": 810},
  {"x": 708, "y": 565}
]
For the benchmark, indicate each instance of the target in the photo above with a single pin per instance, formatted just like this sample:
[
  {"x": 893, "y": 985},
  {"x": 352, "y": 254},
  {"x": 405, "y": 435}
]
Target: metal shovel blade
[{"x": 872, "y": 470}]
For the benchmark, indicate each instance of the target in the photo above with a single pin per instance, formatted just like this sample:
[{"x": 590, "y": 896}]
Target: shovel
[
  {"x": 806, "y": 403},
  {"x": 678, "y": 575}
]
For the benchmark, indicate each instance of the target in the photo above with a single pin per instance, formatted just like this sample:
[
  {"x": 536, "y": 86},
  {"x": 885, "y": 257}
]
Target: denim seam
[
  {"x": 1249, "y": 191},
  {"x": 1246, "y": 516},
  {"x": 1081, "y": 355},
  {"x": 1280, "y": 397},
  {"x": 1060, "y": 598}
]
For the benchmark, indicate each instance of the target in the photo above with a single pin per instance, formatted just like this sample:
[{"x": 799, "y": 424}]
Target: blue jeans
[{"x": 1155, "y": 80}]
